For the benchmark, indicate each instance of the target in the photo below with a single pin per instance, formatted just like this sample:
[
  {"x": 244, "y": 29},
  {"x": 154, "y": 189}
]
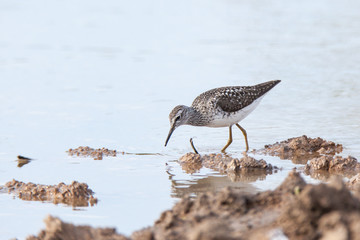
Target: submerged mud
[
  {"x": 294, "y": 209},
  {"x": 238, "y": 169},
  {"x": 301, "y": 149},
  {"x": 97, "y": 154},
  {"x": 75, "y": 194}
]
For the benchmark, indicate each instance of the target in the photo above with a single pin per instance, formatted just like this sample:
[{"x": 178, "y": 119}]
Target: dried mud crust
[
  {"x": 75, "y": 194},
  {"x": 245, "y": 168},
  {"x": 97, "y": 154},
  {"x": 294, "y": 209},
  {"x": 301, "y": 149}
]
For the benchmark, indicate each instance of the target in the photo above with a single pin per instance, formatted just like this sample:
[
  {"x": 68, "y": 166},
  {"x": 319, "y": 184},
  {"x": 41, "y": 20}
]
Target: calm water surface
[{"x": 96, "y": 74}]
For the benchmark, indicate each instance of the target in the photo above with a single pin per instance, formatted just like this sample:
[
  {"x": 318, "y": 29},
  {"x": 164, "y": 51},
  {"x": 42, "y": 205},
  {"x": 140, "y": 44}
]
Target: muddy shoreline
[{"x": 294, "y": 210}]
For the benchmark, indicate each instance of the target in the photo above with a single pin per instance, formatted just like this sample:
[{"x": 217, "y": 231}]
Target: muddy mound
[
  {"x": 320, "y": 207},
  {"x": 56, "y": 229},
  {"x": 300, "y": 149},
  {"x": 75, "y": 194},
  {"x": 245, "y": 168},
  {"x": 97, "y": 154},
  {"x": 348, "y": 166},
  {"x": 191, "y": 162}
]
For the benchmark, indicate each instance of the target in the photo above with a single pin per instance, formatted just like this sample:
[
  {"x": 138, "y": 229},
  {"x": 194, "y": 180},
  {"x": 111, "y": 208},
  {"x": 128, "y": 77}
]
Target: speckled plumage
[
  {"x": 220, "y": 107},
  {"x": 227, "y": 101}
]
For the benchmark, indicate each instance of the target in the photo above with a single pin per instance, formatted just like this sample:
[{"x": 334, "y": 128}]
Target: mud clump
[
  {"x": 245, "y": 167},
  {"x": 97, "y": 154},
  {"x": 56, "y": 229},
  {"x": 75, "y": 194},
  {"x": 318, "y": 154},
  {"x": 318, "y": 209},
  {"x": 300, "y": 149},
  {"x": 191, "y": 162},
  {"x": 348, "y": 166}
]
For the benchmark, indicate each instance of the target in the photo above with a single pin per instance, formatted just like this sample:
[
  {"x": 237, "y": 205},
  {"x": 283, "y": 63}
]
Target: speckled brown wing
[{"x": 232, "y": 99}]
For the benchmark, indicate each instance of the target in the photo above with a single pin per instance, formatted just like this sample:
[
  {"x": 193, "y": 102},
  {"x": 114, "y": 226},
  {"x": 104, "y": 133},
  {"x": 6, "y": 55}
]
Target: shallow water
[{"x": 107, "y": 75}]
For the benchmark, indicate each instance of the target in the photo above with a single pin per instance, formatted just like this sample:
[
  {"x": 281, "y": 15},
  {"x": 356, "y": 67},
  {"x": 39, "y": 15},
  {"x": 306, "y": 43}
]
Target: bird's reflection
[{"x": 181, "y": 188}]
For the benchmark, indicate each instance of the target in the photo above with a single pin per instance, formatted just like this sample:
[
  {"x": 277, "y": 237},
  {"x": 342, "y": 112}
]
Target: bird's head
[{"x": 178, "y": 116}]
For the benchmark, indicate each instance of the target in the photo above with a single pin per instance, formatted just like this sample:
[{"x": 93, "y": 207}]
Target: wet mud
[
  {"x": 97, "y": 154},
  {"x": 75, "y": 194},
  {"x": 327, "y": 165},
  {"x": 294, "y": 209},
  {"x": 301, "y": 149},
  {"x": 238, "y": 169},
  {"x": 318, "y": 155},
  {"x": 322, "y": 211}
]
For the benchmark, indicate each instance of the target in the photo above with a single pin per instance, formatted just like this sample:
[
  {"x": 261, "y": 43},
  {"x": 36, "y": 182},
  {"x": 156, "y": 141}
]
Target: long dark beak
[{"x": 169, "y": 135}]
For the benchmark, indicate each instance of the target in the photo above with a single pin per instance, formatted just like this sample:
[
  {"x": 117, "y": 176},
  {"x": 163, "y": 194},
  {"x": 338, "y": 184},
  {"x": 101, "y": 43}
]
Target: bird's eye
[{"x": 177, "y": 118}]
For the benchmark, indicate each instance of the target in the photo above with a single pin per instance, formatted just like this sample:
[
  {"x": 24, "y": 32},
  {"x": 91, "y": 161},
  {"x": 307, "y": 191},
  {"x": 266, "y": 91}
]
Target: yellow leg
[
  {"x": 245, "y": 135},
  {"x": 229, "y": 141}
]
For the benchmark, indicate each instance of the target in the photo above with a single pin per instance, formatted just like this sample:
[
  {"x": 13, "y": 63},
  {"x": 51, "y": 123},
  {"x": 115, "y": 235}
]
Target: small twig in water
[{"x": 193, "y": 147}]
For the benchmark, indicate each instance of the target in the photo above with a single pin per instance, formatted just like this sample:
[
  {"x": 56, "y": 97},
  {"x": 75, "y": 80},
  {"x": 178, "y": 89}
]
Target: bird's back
[{"x": 232, "y": 98}]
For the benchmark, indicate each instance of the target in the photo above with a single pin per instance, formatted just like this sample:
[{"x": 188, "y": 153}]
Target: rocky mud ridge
[
  {"x": 75, "y": 194},
  {"x": 294, "y": 209}
]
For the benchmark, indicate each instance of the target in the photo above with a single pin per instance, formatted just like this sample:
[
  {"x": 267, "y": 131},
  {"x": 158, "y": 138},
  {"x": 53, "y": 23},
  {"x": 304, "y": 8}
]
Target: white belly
[{"x": 226, "y": 121}]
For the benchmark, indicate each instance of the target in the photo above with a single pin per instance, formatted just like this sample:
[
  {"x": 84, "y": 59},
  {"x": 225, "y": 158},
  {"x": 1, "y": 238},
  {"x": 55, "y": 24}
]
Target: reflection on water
[
  {"x": 209, "y": 183},
  {"x": 23, "y": 161},
  {"x": 201, "y": 180},
  {"x": 108, "y": 74}
]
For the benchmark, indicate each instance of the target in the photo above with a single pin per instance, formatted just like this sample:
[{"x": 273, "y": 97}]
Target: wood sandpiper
[{"x": 221, "y": 107}]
